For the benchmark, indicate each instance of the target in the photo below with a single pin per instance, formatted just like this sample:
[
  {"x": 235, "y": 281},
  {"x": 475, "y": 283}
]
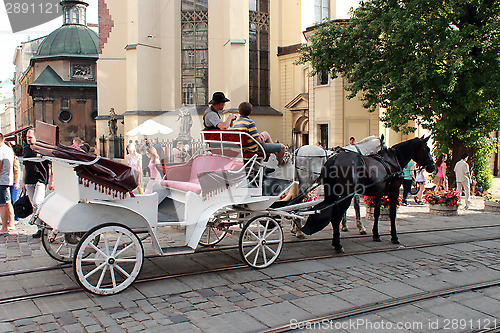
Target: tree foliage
[{"x": 432, "y": 61}]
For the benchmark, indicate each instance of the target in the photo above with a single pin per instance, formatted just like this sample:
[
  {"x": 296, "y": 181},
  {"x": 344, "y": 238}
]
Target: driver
[{"x": 211, "y": 117}]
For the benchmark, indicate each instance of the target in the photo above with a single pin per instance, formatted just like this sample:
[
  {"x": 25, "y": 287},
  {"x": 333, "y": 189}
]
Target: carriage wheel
[
  {"x": 212, "y": 235},
  {"x": 60, "y": 246},
  {"x": 261, "y": 241},
  {"x": 111, "y": 265}
]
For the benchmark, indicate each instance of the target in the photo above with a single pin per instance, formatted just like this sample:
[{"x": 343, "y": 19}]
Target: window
[
  {"x": 323, "y": 132},
  {"x": 65, "y": 114},
  {"x": 194, "y": 52},
  {"x": 259, "y": 52},
  {"x": 321, "y": 10},
  {"x": 322, "y": 78},
  {"x": 93, "y": 114}
]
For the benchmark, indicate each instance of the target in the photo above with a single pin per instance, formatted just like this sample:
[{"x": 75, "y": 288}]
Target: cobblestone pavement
[{"x": 248, "y": 300}]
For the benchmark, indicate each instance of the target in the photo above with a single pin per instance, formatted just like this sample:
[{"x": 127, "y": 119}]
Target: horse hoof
[
  {"x": 362, "y": 232},
  {"x": 377, "y": 239},
  {"x": 341, "y": 250},
  {"x": 395, "y": 241},
  {"x": 345, "y": 229}
]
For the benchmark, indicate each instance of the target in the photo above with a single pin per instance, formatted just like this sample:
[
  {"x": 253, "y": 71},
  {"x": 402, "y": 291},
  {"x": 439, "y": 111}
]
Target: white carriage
[{"x": 100, "y": 227}]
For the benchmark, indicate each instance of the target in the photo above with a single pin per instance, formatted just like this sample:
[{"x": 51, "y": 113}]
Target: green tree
[{"x": 431, "y": 61}]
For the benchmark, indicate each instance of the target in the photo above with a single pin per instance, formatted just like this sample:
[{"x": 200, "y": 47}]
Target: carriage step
[{"x": 170, "y": 251}]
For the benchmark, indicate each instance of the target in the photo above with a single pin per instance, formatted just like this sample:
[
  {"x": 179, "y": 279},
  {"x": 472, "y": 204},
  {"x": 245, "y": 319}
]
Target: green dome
[{"x": 70, "y": 40}]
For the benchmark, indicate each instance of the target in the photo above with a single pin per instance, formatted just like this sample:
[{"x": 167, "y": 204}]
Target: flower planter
[
  {"x": 491, "y": 206},
  {"x": 384, "y": 214},
  {"x": 443, "y": 210}
]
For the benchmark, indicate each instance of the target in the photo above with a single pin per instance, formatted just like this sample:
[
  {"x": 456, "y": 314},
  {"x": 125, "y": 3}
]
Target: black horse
[{"x": 347, "y": 172}]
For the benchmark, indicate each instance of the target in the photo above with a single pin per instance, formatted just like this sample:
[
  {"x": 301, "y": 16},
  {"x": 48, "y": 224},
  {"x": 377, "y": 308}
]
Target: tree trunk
[{"x": 458, "y": 148}]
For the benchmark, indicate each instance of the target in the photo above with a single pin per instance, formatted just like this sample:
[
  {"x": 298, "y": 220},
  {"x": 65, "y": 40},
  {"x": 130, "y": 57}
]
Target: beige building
[{"x": 158, "y": 56}]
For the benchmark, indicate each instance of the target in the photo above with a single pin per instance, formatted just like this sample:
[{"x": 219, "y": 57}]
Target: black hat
[{"x": 218, "y": 97}]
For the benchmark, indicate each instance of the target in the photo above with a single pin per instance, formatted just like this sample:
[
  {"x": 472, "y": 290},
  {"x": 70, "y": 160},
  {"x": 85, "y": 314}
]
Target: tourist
[
  {"x": 441, "y": 180},
  {"x": 462, "y": 174},
  {"x": 6, "y": 181},
  {"x": 134, "y": 160},
  {"x": 37, "y": 175},
  {"x": 244, "y": 122}
]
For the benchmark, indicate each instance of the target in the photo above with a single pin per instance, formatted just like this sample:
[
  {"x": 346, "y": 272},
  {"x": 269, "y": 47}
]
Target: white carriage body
[{"x": 78, "y": 206}]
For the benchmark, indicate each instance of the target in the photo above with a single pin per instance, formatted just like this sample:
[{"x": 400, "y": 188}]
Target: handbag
[{"x": 23, "y": 207}]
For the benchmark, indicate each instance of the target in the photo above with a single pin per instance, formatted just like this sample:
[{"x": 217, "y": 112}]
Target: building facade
[
  {"x": 59, "y": 84},
  {"x": 167, "y": 55}
]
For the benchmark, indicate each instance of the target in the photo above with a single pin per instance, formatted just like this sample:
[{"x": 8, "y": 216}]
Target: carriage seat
[
  {"x": 231, "y": 137},
  {"x": 184, "y": 177}
]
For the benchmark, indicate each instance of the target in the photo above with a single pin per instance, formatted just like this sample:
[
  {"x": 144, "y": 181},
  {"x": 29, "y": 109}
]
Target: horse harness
[{"x": 390, "y": 175}]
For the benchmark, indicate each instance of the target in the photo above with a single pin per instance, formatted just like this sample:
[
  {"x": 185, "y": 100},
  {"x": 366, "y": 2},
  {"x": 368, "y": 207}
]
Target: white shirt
[
  {"x": 461, "y": 169},
  {"x": 7, "y": 171}
]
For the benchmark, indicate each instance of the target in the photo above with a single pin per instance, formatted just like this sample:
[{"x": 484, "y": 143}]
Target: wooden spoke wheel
[
  {"x": 111, "y": 265},
  {"x": 60, "y": 246},
  {"x": 212, "y": 235},
  {"x": 261, "y": 241}
]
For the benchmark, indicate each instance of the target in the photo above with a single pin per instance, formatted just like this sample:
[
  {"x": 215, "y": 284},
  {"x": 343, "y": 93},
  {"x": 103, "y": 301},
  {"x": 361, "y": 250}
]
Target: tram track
[
  {"x": 70, "y": 290},
  {"x": 383, "y": 305},
  {"x": 234, "y": 247}
]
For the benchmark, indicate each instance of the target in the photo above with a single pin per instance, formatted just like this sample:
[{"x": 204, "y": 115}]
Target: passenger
[
  {"x": 211, "y": 117},
  {"x": 244, "y": 122}
]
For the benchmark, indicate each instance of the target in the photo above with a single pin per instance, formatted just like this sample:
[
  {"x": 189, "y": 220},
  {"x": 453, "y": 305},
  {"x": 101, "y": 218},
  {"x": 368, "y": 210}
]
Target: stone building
[{"x": 60, "y": 80}]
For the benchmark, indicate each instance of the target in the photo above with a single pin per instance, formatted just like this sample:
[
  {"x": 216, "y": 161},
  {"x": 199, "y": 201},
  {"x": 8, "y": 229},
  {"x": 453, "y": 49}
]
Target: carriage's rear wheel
[
  {"x": 261, "y": 241},
  {"x": 111, "y": 265}
]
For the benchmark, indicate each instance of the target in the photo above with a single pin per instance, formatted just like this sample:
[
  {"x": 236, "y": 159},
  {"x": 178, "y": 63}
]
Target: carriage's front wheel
[
  {"x": 59, "y": 246},
  {"x": 261, "y": 241},
  {"x": 212, "y": 235},
  {"x": 111, "y": 265}
]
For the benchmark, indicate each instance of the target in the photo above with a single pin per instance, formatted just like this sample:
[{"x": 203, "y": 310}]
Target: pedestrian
[
  {"x": 420, "y": 180},
  {"x": 462, "y": 174},
  {"x": 441, "y": 180},
  {"x": 14, "y": 189},
  {"x": 154, "y": 177},
  {"x": 134, "y": 160},
  {"x": 145, "y": 159},
  {"x": 159, "y": 149},
  {"x": 77, "y": 144},
  {"x": 37, "y": 176},
  {"x": 6, "y": 181},
  {"x": 407, "y": 181},
  {"x": 179, "y": 153},
  {"x": 211, "y": 117}
]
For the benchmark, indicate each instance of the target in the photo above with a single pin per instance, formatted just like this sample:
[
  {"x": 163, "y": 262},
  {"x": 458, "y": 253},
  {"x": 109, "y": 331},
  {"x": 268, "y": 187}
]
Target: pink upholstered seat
[{"x": 184, "y": 177}]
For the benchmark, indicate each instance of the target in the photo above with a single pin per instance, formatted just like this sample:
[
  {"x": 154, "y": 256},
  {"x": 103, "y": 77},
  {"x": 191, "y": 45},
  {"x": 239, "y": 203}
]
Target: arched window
[
  {"x": 194, "y": 50},
  {"x": 259, "y": 52}
]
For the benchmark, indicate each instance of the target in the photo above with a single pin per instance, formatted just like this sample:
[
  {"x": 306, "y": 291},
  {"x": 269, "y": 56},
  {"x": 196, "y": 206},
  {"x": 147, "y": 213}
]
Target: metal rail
[
  {"x": 356, "y": 311},
  {"x": 8, "y": 300},
  {"x": 233, "y": 247}
]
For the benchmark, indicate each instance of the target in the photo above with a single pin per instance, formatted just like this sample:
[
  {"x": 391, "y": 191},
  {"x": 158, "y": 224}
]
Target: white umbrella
[{"x": 150, "y": 127}]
